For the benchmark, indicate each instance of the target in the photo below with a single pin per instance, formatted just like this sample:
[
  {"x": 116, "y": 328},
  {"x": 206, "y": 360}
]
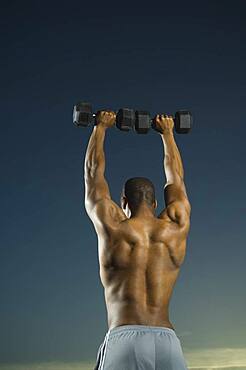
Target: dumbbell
[
  {"x": 83, "y": 116},
  {"x": 182, "y": 122},
  {"x": 127, "y": 119}
]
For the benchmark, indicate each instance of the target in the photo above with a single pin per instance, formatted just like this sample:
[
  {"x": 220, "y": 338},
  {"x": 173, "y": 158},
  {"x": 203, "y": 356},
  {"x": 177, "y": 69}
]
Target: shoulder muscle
[{"x": 106, "y": 214}]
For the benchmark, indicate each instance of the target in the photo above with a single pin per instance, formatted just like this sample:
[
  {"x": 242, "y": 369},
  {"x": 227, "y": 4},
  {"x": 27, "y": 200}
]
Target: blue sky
[{"x": 171, "y": 57}]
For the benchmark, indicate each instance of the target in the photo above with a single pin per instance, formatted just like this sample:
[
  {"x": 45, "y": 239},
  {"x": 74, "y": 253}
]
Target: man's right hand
[
  {"x": 164, "y": 123},
  {"x": 105, "y": 118}
]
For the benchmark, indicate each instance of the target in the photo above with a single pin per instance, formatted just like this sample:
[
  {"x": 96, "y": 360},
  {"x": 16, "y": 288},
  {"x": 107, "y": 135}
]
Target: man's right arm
[{"x": 177, "y": 204}]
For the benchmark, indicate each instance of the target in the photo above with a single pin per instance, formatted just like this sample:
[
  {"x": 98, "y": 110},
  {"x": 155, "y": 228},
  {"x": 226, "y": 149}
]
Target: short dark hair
[{"x": 139, "y": 189}]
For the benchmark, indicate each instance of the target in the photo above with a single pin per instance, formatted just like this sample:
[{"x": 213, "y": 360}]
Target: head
[{"x": 138, "y": 193}]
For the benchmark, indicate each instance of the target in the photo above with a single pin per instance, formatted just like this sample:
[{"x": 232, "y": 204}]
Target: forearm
[
  {"x": 95, "y": 158},
  {"x": 172, "y": 159}
]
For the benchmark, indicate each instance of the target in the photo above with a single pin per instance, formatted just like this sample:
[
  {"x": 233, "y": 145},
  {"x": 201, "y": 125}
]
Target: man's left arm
[
  {"x": 98, "y": 203},
  {"x": 96, "y": 186}
]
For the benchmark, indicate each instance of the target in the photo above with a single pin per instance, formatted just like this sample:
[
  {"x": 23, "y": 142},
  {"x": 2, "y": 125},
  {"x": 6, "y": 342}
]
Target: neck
[{"x": 142, "y": 211}]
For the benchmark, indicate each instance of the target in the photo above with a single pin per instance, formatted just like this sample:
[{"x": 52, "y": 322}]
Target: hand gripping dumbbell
[
  {"x": 83, "y": 116},
  {"x": 127, "y": 119},
  {"x": 182, "y": 122}
]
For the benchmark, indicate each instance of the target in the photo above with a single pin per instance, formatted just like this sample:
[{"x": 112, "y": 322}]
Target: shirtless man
[{"x": 140, "y": 255}]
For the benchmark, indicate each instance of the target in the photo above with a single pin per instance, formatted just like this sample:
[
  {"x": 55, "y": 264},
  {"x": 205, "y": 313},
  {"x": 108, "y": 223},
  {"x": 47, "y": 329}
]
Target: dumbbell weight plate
[
  {"x": 183, "y": 122},
  {"x": 125, "y": 119},
  {"x": 142, "y": 121},
  {"x": 82, "y": 114}
]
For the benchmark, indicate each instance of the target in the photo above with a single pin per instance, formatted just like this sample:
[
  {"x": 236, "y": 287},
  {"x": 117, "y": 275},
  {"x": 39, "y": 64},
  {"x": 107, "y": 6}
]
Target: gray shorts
[{"x": 140, "y": 347}]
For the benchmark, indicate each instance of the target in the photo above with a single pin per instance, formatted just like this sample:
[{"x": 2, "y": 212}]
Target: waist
[
  {"x": 146, "y": 328},
  {"x": 120, "y": 314}
]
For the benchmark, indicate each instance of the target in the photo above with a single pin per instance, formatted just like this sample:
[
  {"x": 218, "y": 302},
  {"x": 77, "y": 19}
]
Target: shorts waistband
[{"x": 121, "y": 328}]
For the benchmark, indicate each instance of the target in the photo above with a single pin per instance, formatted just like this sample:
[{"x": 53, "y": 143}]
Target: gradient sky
[{"x": 180, "y": 55}]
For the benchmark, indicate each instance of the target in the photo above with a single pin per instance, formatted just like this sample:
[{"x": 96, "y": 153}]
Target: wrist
[
  {"x": 99, "y": 127},
  {"x": 167, "y": 133}
]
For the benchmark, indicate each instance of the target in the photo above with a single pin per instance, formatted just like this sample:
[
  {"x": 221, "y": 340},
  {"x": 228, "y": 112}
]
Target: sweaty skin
[{"x": 140, "y": 255}]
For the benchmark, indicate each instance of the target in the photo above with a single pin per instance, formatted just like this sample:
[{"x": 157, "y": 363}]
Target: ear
[{"x": 123, "y": 202}]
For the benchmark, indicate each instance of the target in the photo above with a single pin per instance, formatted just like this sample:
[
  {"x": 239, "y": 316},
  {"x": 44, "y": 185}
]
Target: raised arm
[
  {"x": 96, "y": 186},
  {"x": 178, "y": 207},
  {"x": 102, "y": 210}
]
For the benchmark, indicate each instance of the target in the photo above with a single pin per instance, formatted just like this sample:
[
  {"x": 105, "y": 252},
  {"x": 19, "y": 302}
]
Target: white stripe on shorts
[{"x": 104, "y": 352}]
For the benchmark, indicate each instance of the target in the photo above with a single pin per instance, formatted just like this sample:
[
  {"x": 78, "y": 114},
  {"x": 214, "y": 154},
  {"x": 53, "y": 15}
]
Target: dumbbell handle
[
  {"x": 94, "y": 114},
  {"x": 153, "y": 124},
  {"x": 151, "y": 119}
]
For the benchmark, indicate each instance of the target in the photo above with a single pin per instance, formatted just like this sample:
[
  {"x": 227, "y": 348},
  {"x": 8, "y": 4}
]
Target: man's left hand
[{"x": 105, "y": 118}]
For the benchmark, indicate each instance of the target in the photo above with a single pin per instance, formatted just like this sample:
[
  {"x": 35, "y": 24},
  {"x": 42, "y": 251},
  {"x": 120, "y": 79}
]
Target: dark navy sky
[{"x": 184, "y": 55}]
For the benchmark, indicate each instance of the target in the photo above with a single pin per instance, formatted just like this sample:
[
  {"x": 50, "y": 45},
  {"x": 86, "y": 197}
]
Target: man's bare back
[
  {"x": 138, "y": 270},
  {"x": 139, "y": 256}
]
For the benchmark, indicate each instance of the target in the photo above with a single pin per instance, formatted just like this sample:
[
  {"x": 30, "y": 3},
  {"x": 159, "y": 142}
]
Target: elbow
[
  {"x": 174, "y": 178},
  {"x": 88, "y": 206}
]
